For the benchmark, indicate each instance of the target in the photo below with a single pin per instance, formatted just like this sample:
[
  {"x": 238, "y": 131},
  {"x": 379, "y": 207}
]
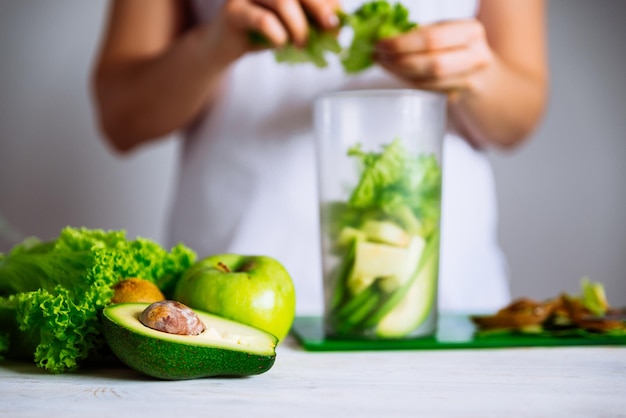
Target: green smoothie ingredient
[
  {"x": 371, "y": 22},
  {"x": 223, "y": 348},
  {"x": 254, "y": 290},
  {"x": 386, "y": 236},
  {"x": 51, "y": 293}
]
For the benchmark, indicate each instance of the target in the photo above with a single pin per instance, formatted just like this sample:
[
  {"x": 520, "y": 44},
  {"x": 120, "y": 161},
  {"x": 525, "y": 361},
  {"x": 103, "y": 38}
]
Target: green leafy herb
[{"x": 51, "y": 293}]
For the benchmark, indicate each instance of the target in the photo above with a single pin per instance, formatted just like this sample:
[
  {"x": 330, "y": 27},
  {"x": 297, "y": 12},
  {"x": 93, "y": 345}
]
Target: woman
[{"x": 247, "y": 177}]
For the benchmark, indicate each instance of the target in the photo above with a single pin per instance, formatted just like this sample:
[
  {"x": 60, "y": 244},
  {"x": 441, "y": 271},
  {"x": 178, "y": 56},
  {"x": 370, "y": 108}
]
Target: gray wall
[
  {"x": 562, "y": 197},
  {"x": 54, "y": 170}
]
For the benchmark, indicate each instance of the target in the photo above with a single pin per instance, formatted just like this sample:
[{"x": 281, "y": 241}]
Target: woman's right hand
[{"x": 278, "y": 21}]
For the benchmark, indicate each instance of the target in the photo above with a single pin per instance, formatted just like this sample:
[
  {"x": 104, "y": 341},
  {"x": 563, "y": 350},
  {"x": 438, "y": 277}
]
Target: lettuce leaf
[
  {"x": 51, "y": 293},
  {"x": 380, "y": 170},
  {"x": 371, "y": 22},
  {"x": 318, "y": 44},
  {"x": 397, "y": 185}
]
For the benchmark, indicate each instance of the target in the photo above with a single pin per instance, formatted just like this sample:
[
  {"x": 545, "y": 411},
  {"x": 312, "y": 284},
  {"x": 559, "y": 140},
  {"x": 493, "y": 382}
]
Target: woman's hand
[
  {"x": 155, "y": 72},
  {"x": 278, "y": 21},
  {"x": 448, "y": 57},
  {"x": 497, "y": 94}
]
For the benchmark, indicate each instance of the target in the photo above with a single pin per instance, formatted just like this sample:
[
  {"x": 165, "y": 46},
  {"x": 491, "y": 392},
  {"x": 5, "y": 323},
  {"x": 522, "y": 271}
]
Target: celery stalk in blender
[{"x": 388, "y": 235}]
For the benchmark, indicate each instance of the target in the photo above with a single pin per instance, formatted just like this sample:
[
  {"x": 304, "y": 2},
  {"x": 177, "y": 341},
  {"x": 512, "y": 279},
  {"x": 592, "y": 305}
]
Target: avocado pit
[
  {"x": 136, "y": 290},
  {"x": 172, "y": 317}
]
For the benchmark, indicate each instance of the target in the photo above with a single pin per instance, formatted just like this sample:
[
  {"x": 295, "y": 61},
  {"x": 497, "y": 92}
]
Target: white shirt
[{"x": 247, "y": 181}]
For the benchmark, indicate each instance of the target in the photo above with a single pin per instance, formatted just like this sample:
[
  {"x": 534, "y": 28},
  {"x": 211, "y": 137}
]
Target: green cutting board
[{"x": 453, "y": 331}]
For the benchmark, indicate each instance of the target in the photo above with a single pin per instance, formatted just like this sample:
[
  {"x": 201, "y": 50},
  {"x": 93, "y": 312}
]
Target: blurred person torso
[{"x": 248, "y": 177}]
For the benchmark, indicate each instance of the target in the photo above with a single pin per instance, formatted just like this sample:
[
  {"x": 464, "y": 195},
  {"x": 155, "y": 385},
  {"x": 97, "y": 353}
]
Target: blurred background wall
[{"x": 562, "y": 196}]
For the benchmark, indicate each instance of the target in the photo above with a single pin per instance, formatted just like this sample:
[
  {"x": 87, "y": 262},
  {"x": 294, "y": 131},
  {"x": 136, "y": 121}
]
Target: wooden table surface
[{"x": 529, "y": 382}]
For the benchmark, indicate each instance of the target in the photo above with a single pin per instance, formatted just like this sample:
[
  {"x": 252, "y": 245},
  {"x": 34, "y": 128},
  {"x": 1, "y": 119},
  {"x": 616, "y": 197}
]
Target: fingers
[
  {"x": 446, "y": 57},
  {"x": 292, "y": 17},
  {"x": 440, "y": 36},
  {"x": 281, "y": 21},
  {"x": 324, "y": 12},
  {"x": 245, "y": 16},
  {"x": 437, "y": 65}
]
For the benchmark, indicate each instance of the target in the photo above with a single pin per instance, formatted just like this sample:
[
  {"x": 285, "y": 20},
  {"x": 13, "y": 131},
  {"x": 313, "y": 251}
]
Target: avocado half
[{"x": 225, "y": 348}]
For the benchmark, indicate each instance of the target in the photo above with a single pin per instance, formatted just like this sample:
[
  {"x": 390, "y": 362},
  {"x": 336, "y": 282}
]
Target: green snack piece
[
  {"x": 52, "y": 292},
  {"x": 225, "y": 348}
]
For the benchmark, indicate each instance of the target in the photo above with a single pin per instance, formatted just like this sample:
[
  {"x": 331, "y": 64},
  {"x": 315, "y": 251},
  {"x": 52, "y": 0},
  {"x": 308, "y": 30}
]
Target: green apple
[{"x": 253, "y": 290}]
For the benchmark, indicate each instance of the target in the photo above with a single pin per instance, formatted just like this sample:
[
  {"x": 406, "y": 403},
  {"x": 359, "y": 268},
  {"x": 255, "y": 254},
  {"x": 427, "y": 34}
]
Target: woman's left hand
[{"x": 446, "y": 57}]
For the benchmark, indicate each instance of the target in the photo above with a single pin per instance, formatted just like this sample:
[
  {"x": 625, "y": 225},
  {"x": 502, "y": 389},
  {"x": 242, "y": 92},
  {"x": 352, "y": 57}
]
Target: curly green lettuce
[
  {"x": 393, "y": 184},
  {"x": 51, "y": 293},
  {"x": 371, "y": 22}
]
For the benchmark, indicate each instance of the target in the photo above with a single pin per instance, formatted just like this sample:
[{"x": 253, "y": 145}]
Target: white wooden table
[{"x": 537, "y": 382}]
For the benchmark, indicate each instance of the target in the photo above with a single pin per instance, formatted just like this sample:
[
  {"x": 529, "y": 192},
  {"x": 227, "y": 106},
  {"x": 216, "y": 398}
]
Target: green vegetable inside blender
[{"x": 387, "y": 237}]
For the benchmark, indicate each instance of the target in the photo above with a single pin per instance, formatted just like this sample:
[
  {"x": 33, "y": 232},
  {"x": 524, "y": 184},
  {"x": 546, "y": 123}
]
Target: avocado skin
[{"x": 173, "y": 361}]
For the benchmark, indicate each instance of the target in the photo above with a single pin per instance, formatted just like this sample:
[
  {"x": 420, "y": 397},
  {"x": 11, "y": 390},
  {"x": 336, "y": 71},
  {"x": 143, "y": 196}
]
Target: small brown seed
[
  {"x": 136, "y": 290},
  {"x": 172, "y": 317}
]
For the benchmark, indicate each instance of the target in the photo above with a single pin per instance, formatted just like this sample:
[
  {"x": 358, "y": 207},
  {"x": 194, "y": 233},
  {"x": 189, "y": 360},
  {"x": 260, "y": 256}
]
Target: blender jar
[{"x": 379, "y": 177}]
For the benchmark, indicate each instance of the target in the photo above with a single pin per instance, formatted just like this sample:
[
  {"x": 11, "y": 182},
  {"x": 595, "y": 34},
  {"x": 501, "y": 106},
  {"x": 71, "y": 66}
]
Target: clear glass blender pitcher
[{"x": 379, "y": 170}]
